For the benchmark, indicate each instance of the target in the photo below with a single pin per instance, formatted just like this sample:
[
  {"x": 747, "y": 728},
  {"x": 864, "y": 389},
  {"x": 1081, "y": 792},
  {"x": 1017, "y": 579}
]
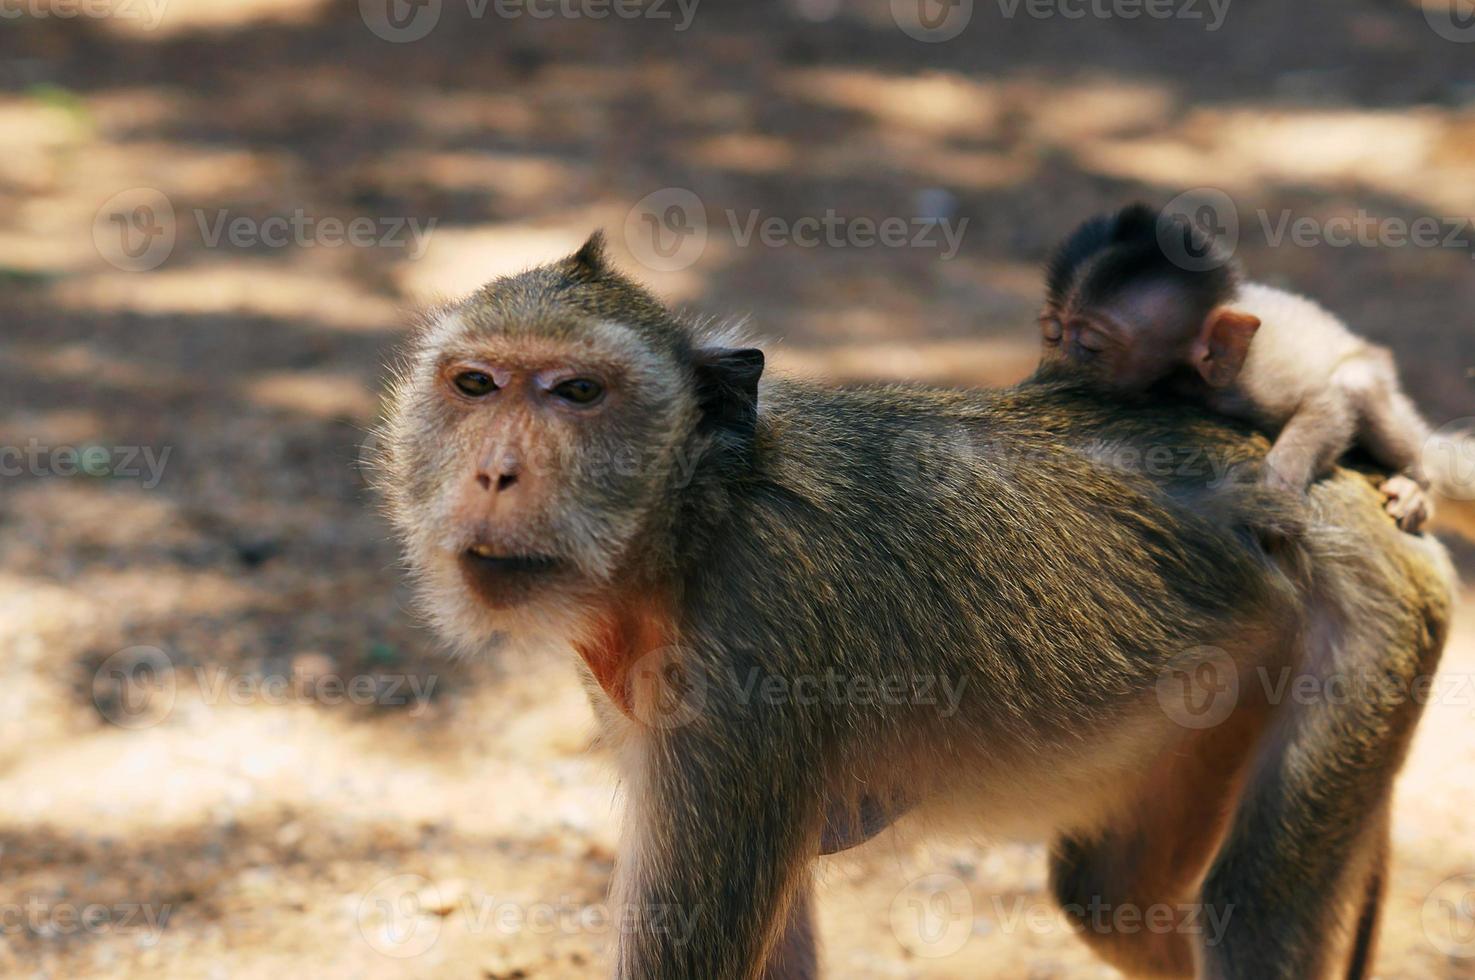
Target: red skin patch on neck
[{"x": 629, "y": 631}]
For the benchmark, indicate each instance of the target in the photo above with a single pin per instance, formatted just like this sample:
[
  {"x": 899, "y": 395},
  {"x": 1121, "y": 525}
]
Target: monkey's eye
[
  {"x": 1091, "y": 341},
  {"x": 474, "y": 384},
  {"x": 1052, "y": 329},
  {"x": 579, "y": 391}
]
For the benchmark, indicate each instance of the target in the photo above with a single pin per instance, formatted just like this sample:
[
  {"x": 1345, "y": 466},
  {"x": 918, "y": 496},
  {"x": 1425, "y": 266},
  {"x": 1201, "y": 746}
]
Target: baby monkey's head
[
  {"x": 1134, "y": 297},
  {"x": 538, "y": 437}
]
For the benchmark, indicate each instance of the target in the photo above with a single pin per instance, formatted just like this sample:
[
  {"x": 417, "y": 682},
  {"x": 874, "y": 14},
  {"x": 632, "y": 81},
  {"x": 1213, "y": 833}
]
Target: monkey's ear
[
  {"x": 1223, "y": 344},
  {"x": 727, "y": 388},
  {"x": 591, "y": 258}
]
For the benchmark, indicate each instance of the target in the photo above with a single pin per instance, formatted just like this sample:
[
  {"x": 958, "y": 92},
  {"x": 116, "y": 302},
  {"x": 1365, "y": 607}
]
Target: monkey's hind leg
[
  {"x": 1300, "y": 874},
  {"x": 1369, "y": 919},
  {"x": 1131, "y": 890}
]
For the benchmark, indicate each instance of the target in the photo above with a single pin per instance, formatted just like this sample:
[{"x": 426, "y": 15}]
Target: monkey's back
[
  {"x": 1296, "y": 350},
  {"x": 850, "y": 486},
  {"x": 1074, "y": 571}
]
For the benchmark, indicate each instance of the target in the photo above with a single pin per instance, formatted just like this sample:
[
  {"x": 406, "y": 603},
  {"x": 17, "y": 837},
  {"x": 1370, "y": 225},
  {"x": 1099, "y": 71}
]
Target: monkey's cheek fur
[{"x": 506, "y": 581}]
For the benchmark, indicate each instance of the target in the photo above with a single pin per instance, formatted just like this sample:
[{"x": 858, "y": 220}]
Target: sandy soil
[{"x": 312, "y": 788}]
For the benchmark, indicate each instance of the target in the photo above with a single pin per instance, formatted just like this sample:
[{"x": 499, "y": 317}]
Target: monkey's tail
[{"x": 1449, "y": 461}]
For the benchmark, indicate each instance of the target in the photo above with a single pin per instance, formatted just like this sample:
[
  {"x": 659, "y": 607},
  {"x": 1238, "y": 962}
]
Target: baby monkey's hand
[{"x": 1408, "y": 502}]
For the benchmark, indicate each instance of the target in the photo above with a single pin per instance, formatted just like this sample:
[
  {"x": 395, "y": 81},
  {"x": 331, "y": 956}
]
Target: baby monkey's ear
[{"x": 1223, "y": 344}]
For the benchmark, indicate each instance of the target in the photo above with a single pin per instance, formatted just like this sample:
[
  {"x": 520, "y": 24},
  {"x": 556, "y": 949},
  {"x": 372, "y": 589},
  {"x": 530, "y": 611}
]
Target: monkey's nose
[{"x": 501, "y": 474}]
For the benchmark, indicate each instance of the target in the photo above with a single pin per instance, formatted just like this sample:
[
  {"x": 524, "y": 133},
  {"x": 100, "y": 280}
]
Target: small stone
[
  {"x": 507, "y": 966},
  {"x": 442, "y": 898}
]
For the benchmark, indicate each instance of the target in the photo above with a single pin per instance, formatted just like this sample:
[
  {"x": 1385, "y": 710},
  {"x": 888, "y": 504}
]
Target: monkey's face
[
  {"x": 524, "y": 459},
  {"x": 1128, "y": 346}
]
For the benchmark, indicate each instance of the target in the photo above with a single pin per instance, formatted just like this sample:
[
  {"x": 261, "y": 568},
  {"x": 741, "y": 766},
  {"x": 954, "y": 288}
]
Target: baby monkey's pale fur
[
  {"x": 1325, "y": 389},
  {"x": 1144, "y": 304}
]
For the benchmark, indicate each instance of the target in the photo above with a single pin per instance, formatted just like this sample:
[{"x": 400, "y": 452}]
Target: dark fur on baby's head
[{"x": 1138, "y": 244}]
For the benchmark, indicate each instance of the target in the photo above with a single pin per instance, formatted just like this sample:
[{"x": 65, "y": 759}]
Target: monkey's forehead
[{"x": 547, "y": 304}]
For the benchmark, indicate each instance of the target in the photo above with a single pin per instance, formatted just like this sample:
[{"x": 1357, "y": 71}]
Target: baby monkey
[{"x": 1119, "y": 309}]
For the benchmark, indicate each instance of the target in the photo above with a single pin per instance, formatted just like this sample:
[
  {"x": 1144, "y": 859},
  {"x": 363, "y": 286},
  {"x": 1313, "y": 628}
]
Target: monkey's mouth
[{"x": 505, "y": 580}]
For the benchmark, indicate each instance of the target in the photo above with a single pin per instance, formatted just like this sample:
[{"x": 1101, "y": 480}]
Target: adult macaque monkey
[{"x": 714, "y": 547}]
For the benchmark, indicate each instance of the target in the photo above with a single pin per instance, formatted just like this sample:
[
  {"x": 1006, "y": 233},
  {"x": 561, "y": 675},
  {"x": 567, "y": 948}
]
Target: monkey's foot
[{"x": 1408, "y": 502}]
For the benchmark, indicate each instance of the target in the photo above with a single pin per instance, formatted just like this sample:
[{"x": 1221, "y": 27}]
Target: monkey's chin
[{"x": 507, "y": 581}]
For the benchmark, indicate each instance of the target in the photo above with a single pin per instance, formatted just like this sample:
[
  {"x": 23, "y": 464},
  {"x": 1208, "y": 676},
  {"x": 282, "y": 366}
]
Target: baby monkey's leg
[{"x": 1392, "y": 430}]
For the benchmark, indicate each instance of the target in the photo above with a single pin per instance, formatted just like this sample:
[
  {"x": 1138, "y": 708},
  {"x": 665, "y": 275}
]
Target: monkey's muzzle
[{"x": 505, "y": 580}]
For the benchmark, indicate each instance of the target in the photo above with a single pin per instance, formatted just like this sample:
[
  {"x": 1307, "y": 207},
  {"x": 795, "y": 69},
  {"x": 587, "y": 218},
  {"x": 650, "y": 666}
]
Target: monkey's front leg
[
  {"x": 1313, "y": 438},
  {"x": 713, "y": 873}
]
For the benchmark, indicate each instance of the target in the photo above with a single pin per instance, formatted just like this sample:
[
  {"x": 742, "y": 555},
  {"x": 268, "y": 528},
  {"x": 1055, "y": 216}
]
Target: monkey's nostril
[
  {"x": 484, "y": 481},
  {"x": 505, "y": 480}
]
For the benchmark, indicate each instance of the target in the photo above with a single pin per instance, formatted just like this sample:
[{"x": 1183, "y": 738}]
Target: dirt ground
[{"x": 227, "y": 747}]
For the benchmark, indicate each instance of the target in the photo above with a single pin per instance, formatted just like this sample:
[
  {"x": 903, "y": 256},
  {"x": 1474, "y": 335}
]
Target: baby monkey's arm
[
  {"x": 1362, "y": 403},
  {"x": 1319, "y": 431}
]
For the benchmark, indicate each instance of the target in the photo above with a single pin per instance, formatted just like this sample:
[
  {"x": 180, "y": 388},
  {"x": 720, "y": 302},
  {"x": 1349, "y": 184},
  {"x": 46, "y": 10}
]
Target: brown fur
[{"x": 1008, "y": 545}]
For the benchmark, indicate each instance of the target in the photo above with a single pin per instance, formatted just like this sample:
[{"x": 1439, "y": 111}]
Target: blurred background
[{"x": 228, "y": 749}]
